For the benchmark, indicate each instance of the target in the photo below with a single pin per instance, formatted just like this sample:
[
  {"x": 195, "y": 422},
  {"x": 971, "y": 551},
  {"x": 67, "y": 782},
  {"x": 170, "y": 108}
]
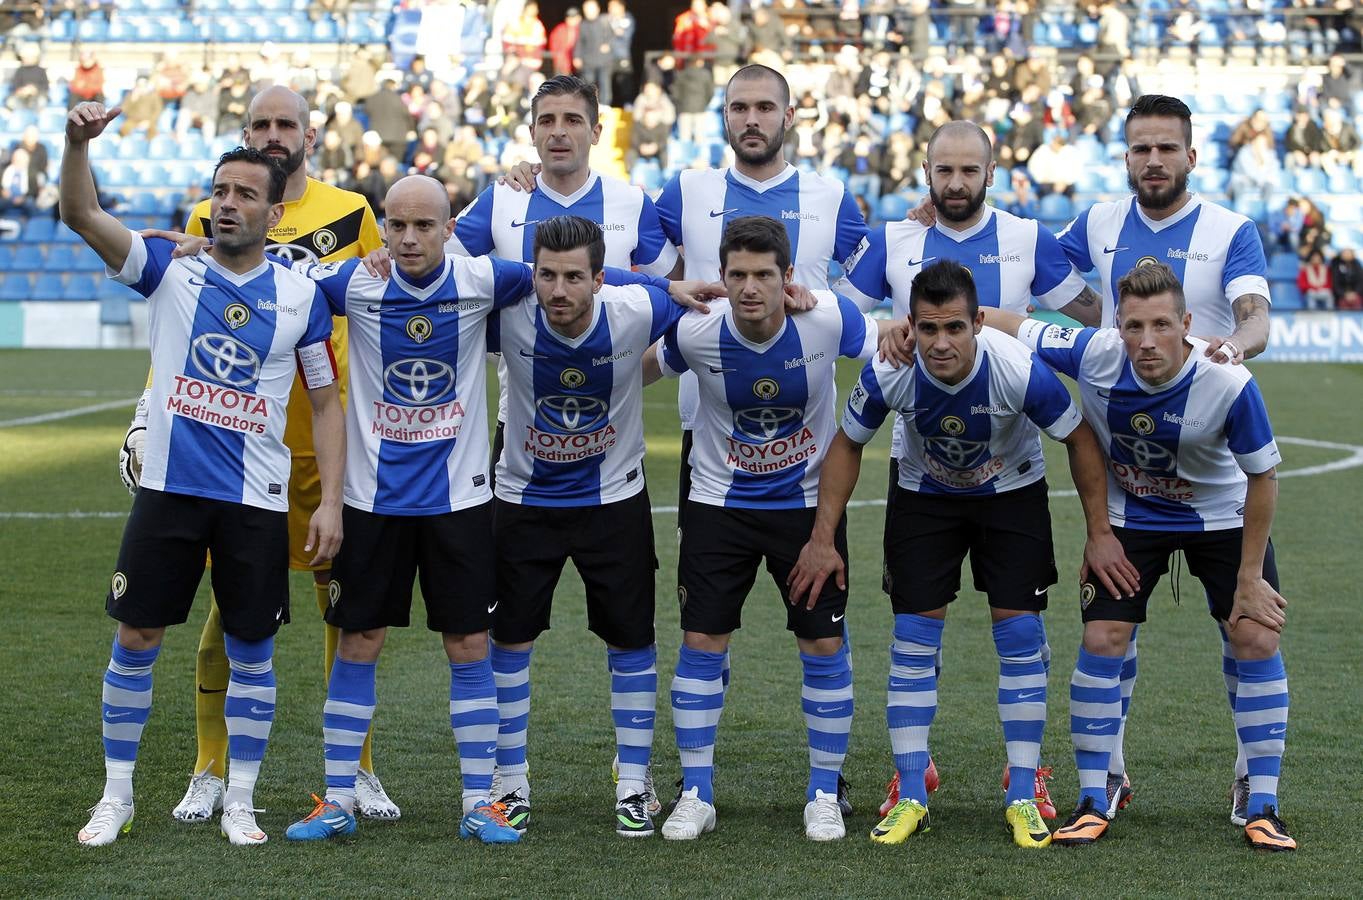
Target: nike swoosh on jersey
[
  {"x": 919, "y": 262},
  {"x": 722, "y": 212},
  {"x": 515, "y": 224},
  {"x": 1114, "y": 249},
  {"x": 199, "y": 282},
  {"x": 718, "y": 371},
  {"x": 1102, "y": 394},
  {"x": 529, "y": 355},
  {"x": 373, "y": 307}
]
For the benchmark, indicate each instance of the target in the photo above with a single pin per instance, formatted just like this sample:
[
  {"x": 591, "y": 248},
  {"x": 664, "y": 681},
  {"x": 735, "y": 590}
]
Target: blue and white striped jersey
[
  {"x": 501, "y": 222},
  {"x": 416, "y": 422},
  {"x": 574, "y": 427},
  {"x": 820, "y": 216},
  {"x": 766, "y": 412},
  {"x": 225, "y": 348},
  {"x": 1178, "y": 452},
  {"x": 1216, "y": 254},
  {"x": 976, "y": 437},
  {"x": 1013, "y": 260}
]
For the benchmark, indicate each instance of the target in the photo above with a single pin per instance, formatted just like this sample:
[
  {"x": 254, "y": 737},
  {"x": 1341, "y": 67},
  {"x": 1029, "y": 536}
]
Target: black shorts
[
  {"x": 1008, "y": 536},
  {"x": 161, "y": 562},
  {"x": 684, "y": 478},
  {"x": 498, "y": 442},
  {"x": 382, "y": 555},
  {"x": 612, "y": 547},
  {"x": 1213, "y": 558},
  {"x": 890, "y": 489},
  {"x": 721, "y": 549}
]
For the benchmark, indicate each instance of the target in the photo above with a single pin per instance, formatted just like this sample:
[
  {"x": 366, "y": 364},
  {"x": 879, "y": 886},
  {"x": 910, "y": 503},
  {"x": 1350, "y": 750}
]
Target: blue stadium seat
[
  {"x": 163, "y": 146},
  {"x": 132, "y": 147},
  {"x": 1253, "y": 207},
  {"x": 144, "y": 203},
  {"x": 87, "y": 260},
  {"x": 51, "y": 120},
  {"x": 1345, "y": 211},
  {"x": 1343, "y": 182},
  {"x": 92, "y": 28},
  {"x": 151, "y": 175},
  {"x": 40, "y": 229},
  {"x": 6, "y": 257},
  {"x": 29, "y": 257},
  {"x": 81, "y": 286},
  {"x": 16, "y": 286},
  {"x": 64, "y": 235},
  {"x": 1283, "y": 267},
  {"x": 1286, "y": 295},
  {"x": 1056, "y": 208},
  {"x": 892, "y": 208},
  {"x": 48, "y": 286},
  {"x": 1309, "y": 181}
]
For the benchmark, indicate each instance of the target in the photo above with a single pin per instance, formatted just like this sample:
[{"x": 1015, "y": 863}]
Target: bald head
[
  {"x": 421, "y": 190},
  {"x": 961, "y": 134},
  {"x": 417, "y": 223},
  {"x": 276, "y": 97}
]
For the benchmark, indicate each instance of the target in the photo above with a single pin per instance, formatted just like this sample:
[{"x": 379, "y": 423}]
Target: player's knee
[
  {"x": 130, "y": 637},
  {"x": 820, "y": 646},
  {"x": 710, "y": 643},
  {"x": 361, "y": 646},
  {"x": 1106, "y": 638},
  {"x": 466, "y": 648},
  {"x": 1250, "y": 640}
]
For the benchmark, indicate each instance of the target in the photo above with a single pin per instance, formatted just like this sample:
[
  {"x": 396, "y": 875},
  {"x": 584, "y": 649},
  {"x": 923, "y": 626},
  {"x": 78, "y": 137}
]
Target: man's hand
[
  {"x": 1224, "y": 350},
  {"x": 1105, "y": 559},
  {"x": 521, "y": 177},
  {"x": 818, "y": 560},
  {"x": 185, "y": 244},
  {"x": 924, "y": 213},
  {"x": 324, "y": 533},
  {"x": 378, "y": 263},
  {"x": 799, "y": 298},
  {"x": 87, "y": 121},
  {"x": 130, "y": 457},
  {"x": 1257, "y": 600},
  {"x": 693, "y": 294},
  {"x": 897, "y": 344}
]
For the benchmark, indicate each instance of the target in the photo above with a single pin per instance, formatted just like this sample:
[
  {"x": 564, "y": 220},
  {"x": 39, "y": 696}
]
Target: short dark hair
[
  {"x": 755, "y": 234},
  {"x": 1163, "y": 106},
  {"x": 568, "y": 86},
  {"x": 757, "y": 70},
  {"x": 562, "y": 234},
  {"x": 1151, "y": 280},
  {"x": 278, "y": 177},
  {"x": 942, "y": 282}
]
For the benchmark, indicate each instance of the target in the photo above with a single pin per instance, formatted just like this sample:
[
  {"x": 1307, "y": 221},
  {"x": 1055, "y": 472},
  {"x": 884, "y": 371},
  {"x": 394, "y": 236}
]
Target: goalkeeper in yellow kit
[{"x": 321, "y": 223}]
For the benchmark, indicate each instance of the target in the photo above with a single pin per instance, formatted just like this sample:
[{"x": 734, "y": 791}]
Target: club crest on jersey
[
  {"x": 237, "y": 315},
  {"x": 953, "y": 425},
  {"x": 572, "y": 378},
  {"x": 333, "y": 592},
  {"x": 419, "y": 382},
  {"x": 225, "y": 360},
  {"x": 1146, "y": 261},
  {"x": 1086, "y": 594},
  {"x": 119, "y": 585},
  {"x": 766, "y": 388},
  {"x": 419, "y": 329},
  {"x": 324, "y": 239},
  {"x": 1142, "y": 424}
]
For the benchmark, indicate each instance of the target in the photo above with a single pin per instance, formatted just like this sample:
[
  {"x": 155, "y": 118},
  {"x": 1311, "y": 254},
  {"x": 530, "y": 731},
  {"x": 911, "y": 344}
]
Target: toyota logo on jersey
[
  {"x": 1145, "y": 454},
  {"x": 572, "y": 414},
  {"x": 293, "y": 253},
  {"x": 954, "y": 452},
  {"x": 419, "y": 382},
  {"x": 765, "y": 422},
  {"x": 225, "y": 360}
]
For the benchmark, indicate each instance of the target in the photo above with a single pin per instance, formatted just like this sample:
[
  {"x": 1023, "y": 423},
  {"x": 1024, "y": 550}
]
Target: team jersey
[
  {"x": 574, "y": 427},
  {"x": 976, "y": 437},
  {"x": 766, "y": 410},
  {"x": 501, "y": 222},
  {"x": 820, "y": 216},
  {"x": 1013, "y": 261},
  {"x": 416, "y": 425},
  {"x": 225, "y": 348},
  {"x": 326, "y": 224},
  {"x": 1177, "y": 452},
  {"x": 1216, "y": 254}
]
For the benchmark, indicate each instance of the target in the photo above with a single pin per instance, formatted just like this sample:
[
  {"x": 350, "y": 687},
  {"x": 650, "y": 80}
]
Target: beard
[
  {"x": 1159, "y": 198},
  {"x": 761, "y": 157},
  {"x": 291, "y": 162},
  {"x": 976, "y": 201}
]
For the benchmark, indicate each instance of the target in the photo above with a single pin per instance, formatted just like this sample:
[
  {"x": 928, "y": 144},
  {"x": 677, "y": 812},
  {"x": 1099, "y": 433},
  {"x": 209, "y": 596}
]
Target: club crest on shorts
[
  {"x": 419, "y": 329},
  {"x": 237, "y": 315},
  {"x": 1142, "y": 424},
  {"x": 119, "y": 585},
  {"x": 572, "y": 378},
  {"x": 324, "y": 239},
  {"x": 681, "y": 594},
  {"x": 953, "y": 425},
  {"x": 333, "y": 592},
  {"x": 1086, "y": 594},
  {"x": 766, "y": 388}
]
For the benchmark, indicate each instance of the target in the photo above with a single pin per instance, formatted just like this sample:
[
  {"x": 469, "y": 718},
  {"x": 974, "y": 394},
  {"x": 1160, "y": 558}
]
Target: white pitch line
[
  {"x": 68, "y": 413},
  {"x": 1352, "y": 461}
]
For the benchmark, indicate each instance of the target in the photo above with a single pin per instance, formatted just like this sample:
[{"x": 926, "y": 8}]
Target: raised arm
[{"x": 80, "y": 208}]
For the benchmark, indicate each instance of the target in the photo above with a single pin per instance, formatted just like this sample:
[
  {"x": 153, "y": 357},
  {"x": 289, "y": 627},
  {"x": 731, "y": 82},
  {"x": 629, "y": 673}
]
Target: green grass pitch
[{"x": 1174, "y": 840}]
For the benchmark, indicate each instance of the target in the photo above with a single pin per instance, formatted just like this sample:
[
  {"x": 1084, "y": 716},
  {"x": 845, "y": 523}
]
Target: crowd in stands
[{"x": 870, "y": 83}]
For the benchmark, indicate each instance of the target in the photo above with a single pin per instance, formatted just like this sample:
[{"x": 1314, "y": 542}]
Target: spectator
[
  {"x": 897, "y": 170},
  {"x": 524, "y": 40},
  {"x": 87, "y": 81},
  {"x": 361, "y": 77},
  {"x": 477, "y": 100},
  {"x": 429, "y": 145},
  {"x": 344, "y": 123},
  {"x": 692, "y": 91},
  {"x": 1114, "y": 30},
  {"x": 1247, "y": 131},
  {"x": 593, "y": 53},
  {"x": 1338, "y": 85},
  {"x": 31, "y": 143},
  {"x": 417, "y": 76},
  {"x": 563, "y": 42},
  {"x": 1313, "y": 280},
  {"x": 862, "y": 160},
  {"x": 1285, "y": 227},
  {"x": 16, "y": 190},
  {"x": 653, "y": 98},
  {"x": 726, "y": 36},
  {"x": 1093, "y": 110},
  {"x": 141, "y": 108},
  {"x": 28, "y": 87},
  {"x": 198, "y": 107},
  {"x": 388, "y": 116},
  {"x": 691, "y": 30},
  {"x": 1024, "y": 203},
  {"x": 1304, "y": 141},
  {"x": 1314, "y": 235},
  {"x": 374, "y": 181},
  {"x": 459, "y": 182},
  {"x": 965, "y": 24},
  {"x": 768, "y": 33},
  {"x": 1341, "y": 142},
  {"x": 521, "y": 148},
  {"x": 1256, "y": 169},
  {"x": 233, "y": 104},
  {"x": 1346, "y": 280},
  {"x": 622, "y": 26},
  {"x": 648, "y": 140},
  {"x": 1056, "y": 164},
  {"x": 464, "y": 145},
  {"x": 171, "y": 79},
  {"x": 335, "y": 159}
]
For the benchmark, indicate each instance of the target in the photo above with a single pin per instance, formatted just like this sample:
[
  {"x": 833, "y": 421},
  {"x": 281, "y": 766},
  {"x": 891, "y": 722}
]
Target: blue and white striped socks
[
  {"x": 911, "y": 702},
  {"x": 826, "y": 697},
  {"x": 351, "y": 698},
  {"x": 249, "y": 713},
  {"x": 1095, "y": 717},
  {"x": 126, "y": 706},
  {"x": 634, "y": 702},
  {"x": 1022, "y": 698},
  {"x": 1230, "y": 673},
  {"x": 475, "y": 720},
  {"x": 697, "y": 702},
  {"x": 1261, "y": 723},
  {"x": 511, "y": 673},
  {"x": 1116, "y": 764}
]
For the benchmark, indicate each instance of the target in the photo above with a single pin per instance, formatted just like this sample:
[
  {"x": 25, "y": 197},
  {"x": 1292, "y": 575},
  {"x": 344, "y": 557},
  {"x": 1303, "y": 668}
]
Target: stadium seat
[
  {"x": 1286, "y": 295},
  {"x": 29, "y": 257},
  {"x": 1342, "y": 182},
  {"x": 86, "y": 260},
  {"x": 143, "y": 203},
  {"x": 1309, "y": 181},
  {"x": 81, "y": 286},
  {"x": 132, "y": 147},
  {"x": 1283, "y": 267},
  {"x": 892, "y": 208},
  {"x": 163, "y": 146},
  {"x": 48, "y": 286},
  {"x": 16, "y": 286},
  {"x": 1056, "y": 207},
  {"x": 64, "y": 235},
  {"x": 6, "y": 257},
  {"x": 40, "y": 229},
  {"x": 1345, "y": 211}
]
